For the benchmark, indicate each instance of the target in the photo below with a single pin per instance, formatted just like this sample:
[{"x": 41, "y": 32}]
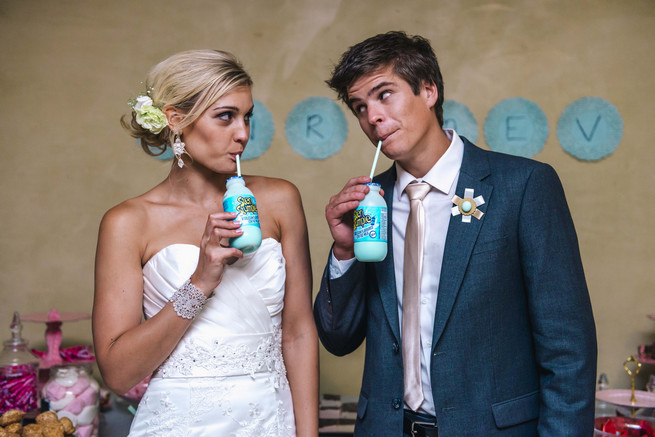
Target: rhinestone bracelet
[{"x": 188, "y": 300}]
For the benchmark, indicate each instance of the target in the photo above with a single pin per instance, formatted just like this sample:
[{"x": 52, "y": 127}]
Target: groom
[{"x": 501, "y": 340}]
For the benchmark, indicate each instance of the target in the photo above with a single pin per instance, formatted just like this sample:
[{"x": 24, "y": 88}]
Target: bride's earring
[{"x": 178, "y": 150}]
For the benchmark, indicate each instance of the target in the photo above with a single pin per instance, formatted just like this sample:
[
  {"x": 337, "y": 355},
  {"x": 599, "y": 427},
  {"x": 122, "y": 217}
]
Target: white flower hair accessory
[{"x": 148, "y": 115}]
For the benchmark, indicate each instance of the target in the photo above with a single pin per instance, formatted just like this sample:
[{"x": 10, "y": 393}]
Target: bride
[{"x": 228, "y": 337}]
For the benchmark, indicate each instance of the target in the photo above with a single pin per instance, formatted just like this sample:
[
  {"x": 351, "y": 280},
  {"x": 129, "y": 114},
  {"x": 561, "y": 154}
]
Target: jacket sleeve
[
  {"x": 340, "y": 310},
  {"x": 561, "y": 316}
]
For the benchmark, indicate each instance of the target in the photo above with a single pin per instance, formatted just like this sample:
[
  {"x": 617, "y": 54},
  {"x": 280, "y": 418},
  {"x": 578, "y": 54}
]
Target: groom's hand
[{"x": 339, "y": 215}]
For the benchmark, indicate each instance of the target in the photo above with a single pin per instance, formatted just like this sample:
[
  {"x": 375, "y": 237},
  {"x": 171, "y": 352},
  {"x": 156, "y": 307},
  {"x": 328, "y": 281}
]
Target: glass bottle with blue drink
[
  {"x": 370, "y": 226},
  {"x": 240, "y": 199}
]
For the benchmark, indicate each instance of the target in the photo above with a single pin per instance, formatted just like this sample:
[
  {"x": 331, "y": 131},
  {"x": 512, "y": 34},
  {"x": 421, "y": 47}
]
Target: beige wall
[{"x": 68, "y": 68}]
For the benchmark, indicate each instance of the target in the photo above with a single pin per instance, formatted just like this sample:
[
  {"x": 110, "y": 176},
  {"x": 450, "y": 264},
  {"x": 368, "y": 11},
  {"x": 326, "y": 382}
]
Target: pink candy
[
  {"x": 18, "y": 388},
  {"x": 54, "y": 391},
  {"x": 88, "y": 397},
  {"x": 81, "y": 385},
  {"x": 73, "y": 393},
  {"x": 84, "y": 430}
]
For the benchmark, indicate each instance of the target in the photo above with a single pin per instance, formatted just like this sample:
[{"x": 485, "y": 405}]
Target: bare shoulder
[
  {"x": 127, "y": 222},
  {"x": 273, "y": 190},
  {"x": 279, "y": 204},
  {"x": 125, "y": 215}
]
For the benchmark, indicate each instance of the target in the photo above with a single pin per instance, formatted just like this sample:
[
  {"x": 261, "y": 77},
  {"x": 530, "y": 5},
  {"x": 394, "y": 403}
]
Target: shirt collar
[{"x": 442, "y": 175}]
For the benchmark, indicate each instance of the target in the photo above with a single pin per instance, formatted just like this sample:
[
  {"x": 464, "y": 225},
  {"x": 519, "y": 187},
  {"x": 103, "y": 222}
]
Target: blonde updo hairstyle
[{"x": 190, "y": 81}]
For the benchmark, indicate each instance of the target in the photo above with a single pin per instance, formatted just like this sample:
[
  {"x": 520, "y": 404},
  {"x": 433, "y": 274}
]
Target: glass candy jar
[
  {"x": 72, "y": 392},
  {"x": 18, "y": 373}
]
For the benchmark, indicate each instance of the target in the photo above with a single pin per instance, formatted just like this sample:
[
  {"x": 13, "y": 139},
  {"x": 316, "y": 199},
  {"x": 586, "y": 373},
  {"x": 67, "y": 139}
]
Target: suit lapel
[
  {"x": 461, "y": 236},
  {"x": 384, "y": 270}
]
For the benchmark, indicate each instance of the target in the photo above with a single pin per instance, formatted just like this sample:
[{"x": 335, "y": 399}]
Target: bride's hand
[{"x": 215, "y": 251}]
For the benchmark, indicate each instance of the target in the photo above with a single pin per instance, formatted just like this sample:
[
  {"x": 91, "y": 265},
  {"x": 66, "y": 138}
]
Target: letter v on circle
[{"x": 593, "y": 129}]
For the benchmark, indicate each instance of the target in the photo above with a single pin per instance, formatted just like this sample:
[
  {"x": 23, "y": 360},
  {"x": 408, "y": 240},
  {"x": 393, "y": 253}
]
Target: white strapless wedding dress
[{"x": 226, "y": 376}]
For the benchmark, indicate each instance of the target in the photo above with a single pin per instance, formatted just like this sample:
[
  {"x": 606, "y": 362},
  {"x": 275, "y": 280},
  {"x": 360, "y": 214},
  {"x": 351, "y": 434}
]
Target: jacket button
[
  {"x": 396, "y": 404},
  {"x": 395, "y": 348}
]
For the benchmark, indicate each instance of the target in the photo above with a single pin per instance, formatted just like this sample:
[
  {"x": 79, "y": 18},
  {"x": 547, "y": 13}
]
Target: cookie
[{"x": 11, "y": 416}]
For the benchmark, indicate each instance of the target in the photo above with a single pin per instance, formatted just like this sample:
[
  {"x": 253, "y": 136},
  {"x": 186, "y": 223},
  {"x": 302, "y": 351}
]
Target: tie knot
[{"x": 417, "y": 190}]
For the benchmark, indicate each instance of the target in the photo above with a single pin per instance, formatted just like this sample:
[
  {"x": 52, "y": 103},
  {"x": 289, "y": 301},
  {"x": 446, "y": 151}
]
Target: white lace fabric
[
  {"x": 238, "y": 356},
  {"x": 226, "y": 377}
]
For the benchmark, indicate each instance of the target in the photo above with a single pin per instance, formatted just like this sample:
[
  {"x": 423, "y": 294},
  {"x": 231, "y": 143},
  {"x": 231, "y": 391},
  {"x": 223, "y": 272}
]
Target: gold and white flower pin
[{"x": 468, "y": 206}]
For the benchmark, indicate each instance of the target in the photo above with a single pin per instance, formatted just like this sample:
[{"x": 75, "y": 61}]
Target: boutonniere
[{"x": 468, "y": 206}]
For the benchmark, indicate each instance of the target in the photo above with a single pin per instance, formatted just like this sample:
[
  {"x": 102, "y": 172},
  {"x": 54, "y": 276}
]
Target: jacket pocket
[
  {"x": 485, "y": 246},
  {"x": 361, "y": 406},
  {"x": 518, "y": 410}
]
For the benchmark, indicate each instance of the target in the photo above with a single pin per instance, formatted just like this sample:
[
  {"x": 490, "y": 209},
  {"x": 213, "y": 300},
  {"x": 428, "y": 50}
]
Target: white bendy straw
[
  {"x": 375, "y": 161},
  {"x": 238, "y": 166}
]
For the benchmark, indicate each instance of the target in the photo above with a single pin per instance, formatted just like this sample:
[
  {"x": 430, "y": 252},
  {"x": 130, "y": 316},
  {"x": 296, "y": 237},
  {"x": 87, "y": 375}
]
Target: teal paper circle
[
  {"x": 168, "y": 153},
  {"x": 516, "y": 126},
  {"x": 590, "y": 128},
  {"x": 261, "y": 132},
  {"x": 316, "y": 128},
  {"x": 458, "y": 117}
]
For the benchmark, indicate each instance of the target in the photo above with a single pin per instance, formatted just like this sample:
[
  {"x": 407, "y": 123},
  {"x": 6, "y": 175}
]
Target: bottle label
[
  {"x": 245, "y": 207},
  {"x": 370, "y": 224}
]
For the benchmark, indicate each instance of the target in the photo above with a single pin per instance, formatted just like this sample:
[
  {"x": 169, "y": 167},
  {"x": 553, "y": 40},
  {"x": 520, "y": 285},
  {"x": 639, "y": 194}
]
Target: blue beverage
[
  {"x": 240, "y": 199},
  {"x": 370, "y": 226}
]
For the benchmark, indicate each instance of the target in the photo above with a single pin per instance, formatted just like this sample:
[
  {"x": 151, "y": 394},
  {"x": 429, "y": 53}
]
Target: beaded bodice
[{"x": 238, "y": 330}]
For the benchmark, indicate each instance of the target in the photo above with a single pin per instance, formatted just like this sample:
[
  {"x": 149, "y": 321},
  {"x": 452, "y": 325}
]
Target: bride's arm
[
  {"x": 299, "y": 338},
  {"x": 128, "y": 350}
]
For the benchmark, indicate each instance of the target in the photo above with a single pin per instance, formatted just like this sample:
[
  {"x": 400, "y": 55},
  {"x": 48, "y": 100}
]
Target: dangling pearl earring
[{"x": 178, "y": 150}]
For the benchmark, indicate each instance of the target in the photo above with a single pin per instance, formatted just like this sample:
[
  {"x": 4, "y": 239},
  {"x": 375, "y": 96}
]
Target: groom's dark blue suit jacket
[{"x": 514, "y": 343}]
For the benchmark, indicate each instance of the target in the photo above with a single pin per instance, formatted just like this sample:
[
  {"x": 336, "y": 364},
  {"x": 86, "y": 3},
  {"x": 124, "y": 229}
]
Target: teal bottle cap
[{"x": 235, "y": 180}]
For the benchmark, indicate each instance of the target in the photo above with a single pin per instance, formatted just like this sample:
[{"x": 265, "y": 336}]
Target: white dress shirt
[{"x": 442, "y": 178}]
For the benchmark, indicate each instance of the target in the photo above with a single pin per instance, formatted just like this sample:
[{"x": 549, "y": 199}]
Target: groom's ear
[{"x": 430, "y": 93}]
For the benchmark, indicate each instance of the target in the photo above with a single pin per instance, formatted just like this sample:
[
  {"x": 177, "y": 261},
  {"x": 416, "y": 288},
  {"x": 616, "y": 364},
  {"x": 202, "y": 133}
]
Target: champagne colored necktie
[{"x": 412, "y": 272}]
